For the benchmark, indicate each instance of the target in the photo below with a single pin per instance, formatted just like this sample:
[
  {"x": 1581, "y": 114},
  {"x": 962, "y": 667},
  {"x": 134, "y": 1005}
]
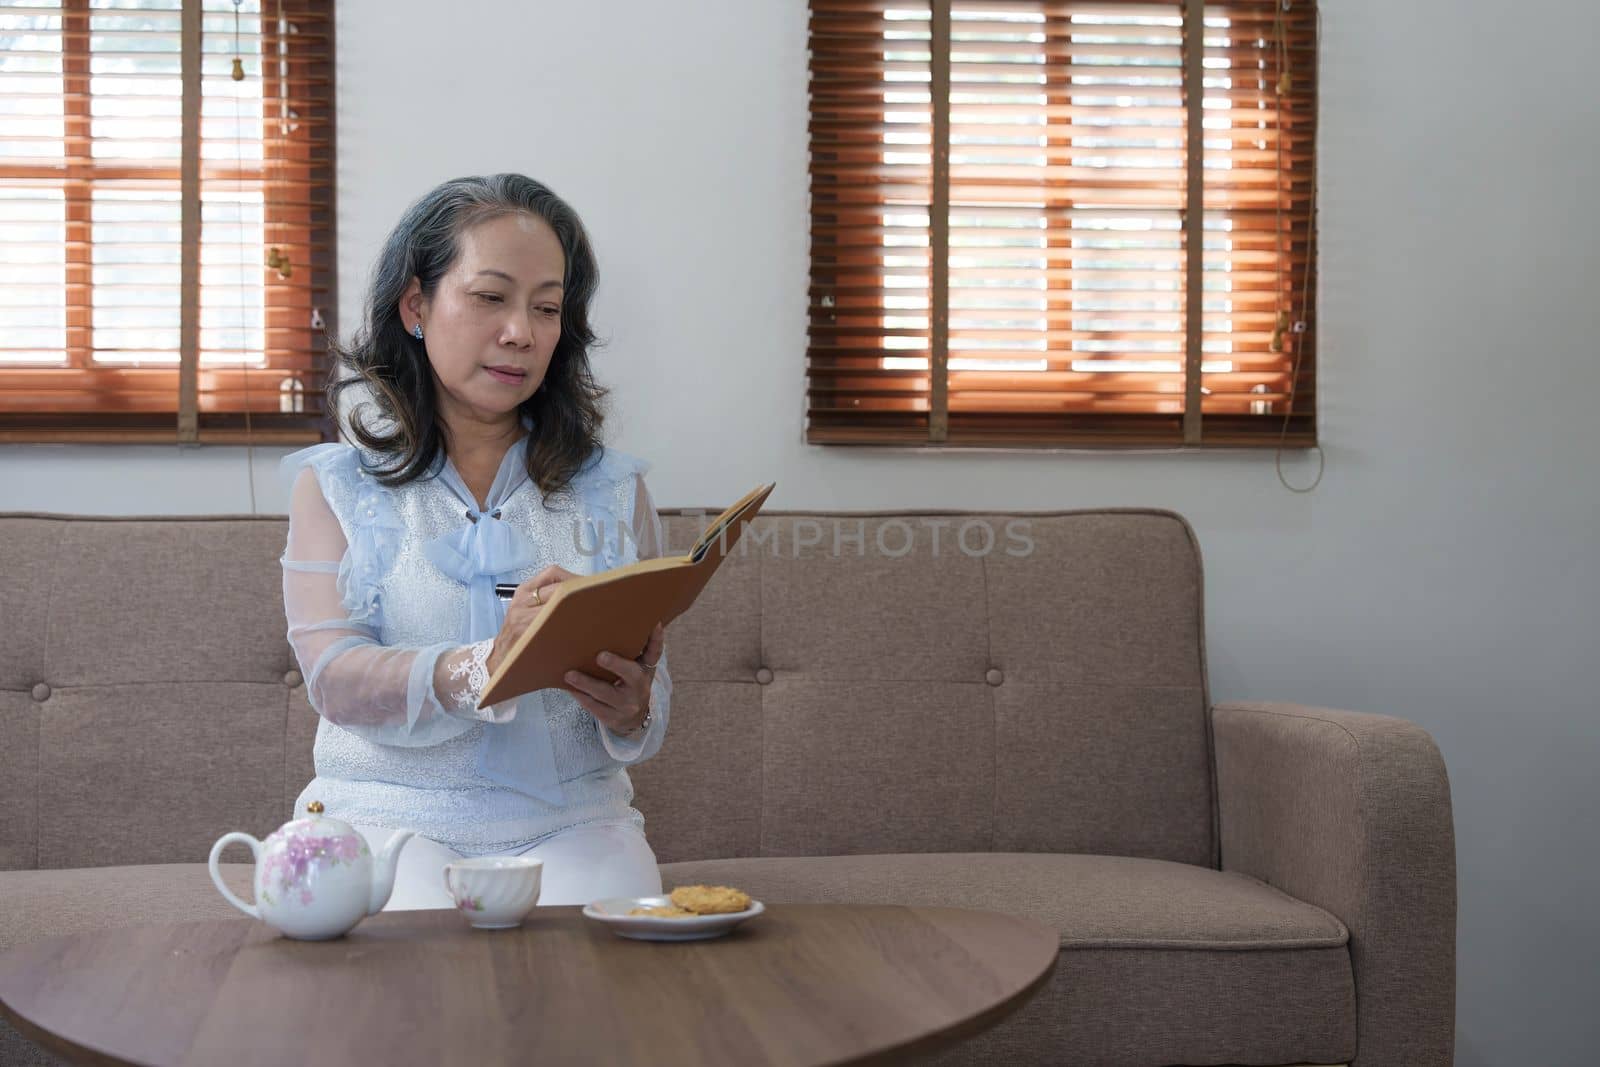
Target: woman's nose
[{"x": 517, "y": 332}]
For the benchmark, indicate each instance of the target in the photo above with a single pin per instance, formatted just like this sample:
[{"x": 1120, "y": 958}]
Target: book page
[{"x": 723, "y": 521}]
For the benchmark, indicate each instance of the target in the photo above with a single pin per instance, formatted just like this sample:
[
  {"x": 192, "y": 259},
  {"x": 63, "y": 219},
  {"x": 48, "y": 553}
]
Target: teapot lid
[{"x": 316, "y": 816}]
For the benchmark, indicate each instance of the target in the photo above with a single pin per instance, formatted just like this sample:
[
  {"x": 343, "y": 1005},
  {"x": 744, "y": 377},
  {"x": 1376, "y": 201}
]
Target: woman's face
[{"x": 493, "y": 321}]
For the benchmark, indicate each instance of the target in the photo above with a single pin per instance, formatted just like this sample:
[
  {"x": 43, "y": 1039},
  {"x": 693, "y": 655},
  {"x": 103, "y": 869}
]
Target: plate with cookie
[{"x": 688, "y": 913}]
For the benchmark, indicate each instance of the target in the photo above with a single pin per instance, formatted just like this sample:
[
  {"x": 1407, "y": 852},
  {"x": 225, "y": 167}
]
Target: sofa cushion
[
  {"x": 928, "y": 659},
  {"x": 1161, "y": 962}
]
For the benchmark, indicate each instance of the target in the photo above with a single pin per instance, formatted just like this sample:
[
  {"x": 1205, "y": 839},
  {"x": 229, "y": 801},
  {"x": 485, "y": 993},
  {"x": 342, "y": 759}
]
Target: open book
[{"x": 615, "y": 610}]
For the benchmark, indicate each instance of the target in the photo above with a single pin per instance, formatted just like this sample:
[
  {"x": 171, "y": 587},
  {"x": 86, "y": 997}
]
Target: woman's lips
[{"x": 508, "y": 375}]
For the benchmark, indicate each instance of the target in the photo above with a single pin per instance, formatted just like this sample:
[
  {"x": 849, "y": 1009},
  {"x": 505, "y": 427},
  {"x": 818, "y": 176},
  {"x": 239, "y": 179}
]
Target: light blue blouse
[{"x": 413, "y": 580}]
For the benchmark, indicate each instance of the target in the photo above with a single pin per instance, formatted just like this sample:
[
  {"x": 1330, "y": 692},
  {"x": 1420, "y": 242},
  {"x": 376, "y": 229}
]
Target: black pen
[{"x": 505, "y": 590}]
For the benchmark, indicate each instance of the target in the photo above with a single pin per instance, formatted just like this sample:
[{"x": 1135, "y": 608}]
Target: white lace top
[{"x": 387, "y": 591}]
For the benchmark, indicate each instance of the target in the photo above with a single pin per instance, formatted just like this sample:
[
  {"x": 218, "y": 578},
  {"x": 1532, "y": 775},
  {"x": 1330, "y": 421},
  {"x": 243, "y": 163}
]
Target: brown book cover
[{"x": 615, "y": 610}]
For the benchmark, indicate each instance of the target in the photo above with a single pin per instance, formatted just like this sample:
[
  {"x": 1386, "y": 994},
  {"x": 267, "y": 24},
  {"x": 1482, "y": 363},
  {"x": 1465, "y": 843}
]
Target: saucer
[{"x": 614, "y": 913}]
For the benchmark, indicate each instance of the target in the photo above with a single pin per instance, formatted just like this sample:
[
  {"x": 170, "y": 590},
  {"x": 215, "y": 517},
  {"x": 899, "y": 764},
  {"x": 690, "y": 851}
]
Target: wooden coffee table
[{"x": 803, "y": 984}]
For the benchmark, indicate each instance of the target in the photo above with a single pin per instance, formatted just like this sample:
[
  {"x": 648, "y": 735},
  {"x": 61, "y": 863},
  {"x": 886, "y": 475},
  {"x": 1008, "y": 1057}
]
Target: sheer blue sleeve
[{"x": 343, "y": 538}]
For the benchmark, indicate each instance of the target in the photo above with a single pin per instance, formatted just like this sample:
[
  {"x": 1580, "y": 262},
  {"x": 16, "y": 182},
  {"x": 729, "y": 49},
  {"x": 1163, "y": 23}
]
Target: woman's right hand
[{"x": 527, "y": 604}]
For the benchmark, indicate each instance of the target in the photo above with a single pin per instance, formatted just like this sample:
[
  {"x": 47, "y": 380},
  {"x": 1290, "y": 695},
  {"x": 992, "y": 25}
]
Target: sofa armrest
[{"x": 1351, "y": 812}]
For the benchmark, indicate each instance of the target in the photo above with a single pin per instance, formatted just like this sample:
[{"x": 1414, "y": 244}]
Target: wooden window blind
[
  {"x": 169, "y": 268},
  {"x": 1062, "y": 222}
]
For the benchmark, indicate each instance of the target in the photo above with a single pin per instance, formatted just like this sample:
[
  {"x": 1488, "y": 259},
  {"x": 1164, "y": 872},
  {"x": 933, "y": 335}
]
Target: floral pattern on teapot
[{"x": 288, "y": 868}]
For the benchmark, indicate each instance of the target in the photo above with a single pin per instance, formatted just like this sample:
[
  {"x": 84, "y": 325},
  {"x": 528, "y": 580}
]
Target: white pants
[{"x": 581, "y": 864}]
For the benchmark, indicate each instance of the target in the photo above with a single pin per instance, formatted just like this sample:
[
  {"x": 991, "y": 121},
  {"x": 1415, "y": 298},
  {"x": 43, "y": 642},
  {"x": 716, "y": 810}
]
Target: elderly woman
[{"x": 476, "y": 460}]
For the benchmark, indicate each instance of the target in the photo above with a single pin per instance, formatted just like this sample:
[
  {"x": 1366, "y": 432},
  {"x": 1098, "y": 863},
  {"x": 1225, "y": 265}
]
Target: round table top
[{"x": 802, "y": 984}]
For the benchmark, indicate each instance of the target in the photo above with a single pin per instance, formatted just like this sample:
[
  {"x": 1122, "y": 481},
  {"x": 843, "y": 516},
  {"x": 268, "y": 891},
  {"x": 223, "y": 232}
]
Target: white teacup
[{"x": 494, "y": 892}]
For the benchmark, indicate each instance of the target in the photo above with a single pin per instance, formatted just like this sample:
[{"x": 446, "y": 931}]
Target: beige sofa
[{"x": 1025, "y": 729}]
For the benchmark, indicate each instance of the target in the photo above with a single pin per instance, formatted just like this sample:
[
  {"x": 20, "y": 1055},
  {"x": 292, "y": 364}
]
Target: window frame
[
  {"x": 841, "y": 223},
  {"x": 297, "y": 318}
]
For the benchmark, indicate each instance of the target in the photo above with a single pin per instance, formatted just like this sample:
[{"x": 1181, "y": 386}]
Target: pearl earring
[{"x": 416, "y": 331}]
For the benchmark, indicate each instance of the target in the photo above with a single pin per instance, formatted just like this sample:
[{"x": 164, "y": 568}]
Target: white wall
[{"x": 1442, "y": 571}]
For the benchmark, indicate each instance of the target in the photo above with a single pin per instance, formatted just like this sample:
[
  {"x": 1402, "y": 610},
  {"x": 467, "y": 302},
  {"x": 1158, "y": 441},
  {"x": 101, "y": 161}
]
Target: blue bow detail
[{"x": 486, "y": 549}]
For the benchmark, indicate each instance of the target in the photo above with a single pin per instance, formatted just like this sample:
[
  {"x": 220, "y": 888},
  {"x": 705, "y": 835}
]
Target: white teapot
[{"x": 315, "y": 877}]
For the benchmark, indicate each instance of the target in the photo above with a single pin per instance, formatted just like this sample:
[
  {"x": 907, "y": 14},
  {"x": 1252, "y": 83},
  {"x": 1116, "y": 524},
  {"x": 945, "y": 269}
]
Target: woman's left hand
[{"x": 621, "y": 706}]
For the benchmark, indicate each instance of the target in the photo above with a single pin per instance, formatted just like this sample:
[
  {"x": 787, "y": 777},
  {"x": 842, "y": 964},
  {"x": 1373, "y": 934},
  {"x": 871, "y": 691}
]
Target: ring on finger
[{"x": 537, "y": 602}]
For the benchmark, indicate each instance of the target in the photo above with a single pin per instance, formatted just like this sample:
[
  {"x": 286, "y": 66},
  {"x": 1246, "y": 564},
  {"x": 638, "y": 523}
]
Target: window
[
  {"x": 168, "y": 230},
  {"x": 1014, "y": 244}
]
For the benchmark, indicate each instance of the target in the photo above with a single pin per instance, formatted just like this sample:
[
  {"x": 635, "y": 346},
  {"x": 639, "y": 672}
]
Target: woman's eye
[
  {"x": 551, "y": 310},
  {"x": 488, "y": 298}
]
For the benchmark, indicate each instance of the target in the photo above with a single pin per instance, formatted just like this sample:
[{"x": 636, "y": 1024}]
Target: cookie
[{"x": 710, "y": 899}]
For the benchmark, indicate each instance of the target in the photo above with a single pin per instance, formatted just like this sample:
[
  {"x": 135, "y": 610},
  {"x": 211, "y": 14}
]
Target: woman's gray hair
[{"x": 399, "y": 413}]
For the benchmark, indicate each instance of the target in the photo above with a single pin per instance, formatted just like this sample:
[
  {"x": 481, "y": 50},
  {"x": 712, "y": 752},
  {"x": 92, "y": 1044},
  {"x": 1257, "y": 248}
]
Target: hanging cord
[
  {"x": 1285, "y": 83},
  {"x": 238, "y": 145}
]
